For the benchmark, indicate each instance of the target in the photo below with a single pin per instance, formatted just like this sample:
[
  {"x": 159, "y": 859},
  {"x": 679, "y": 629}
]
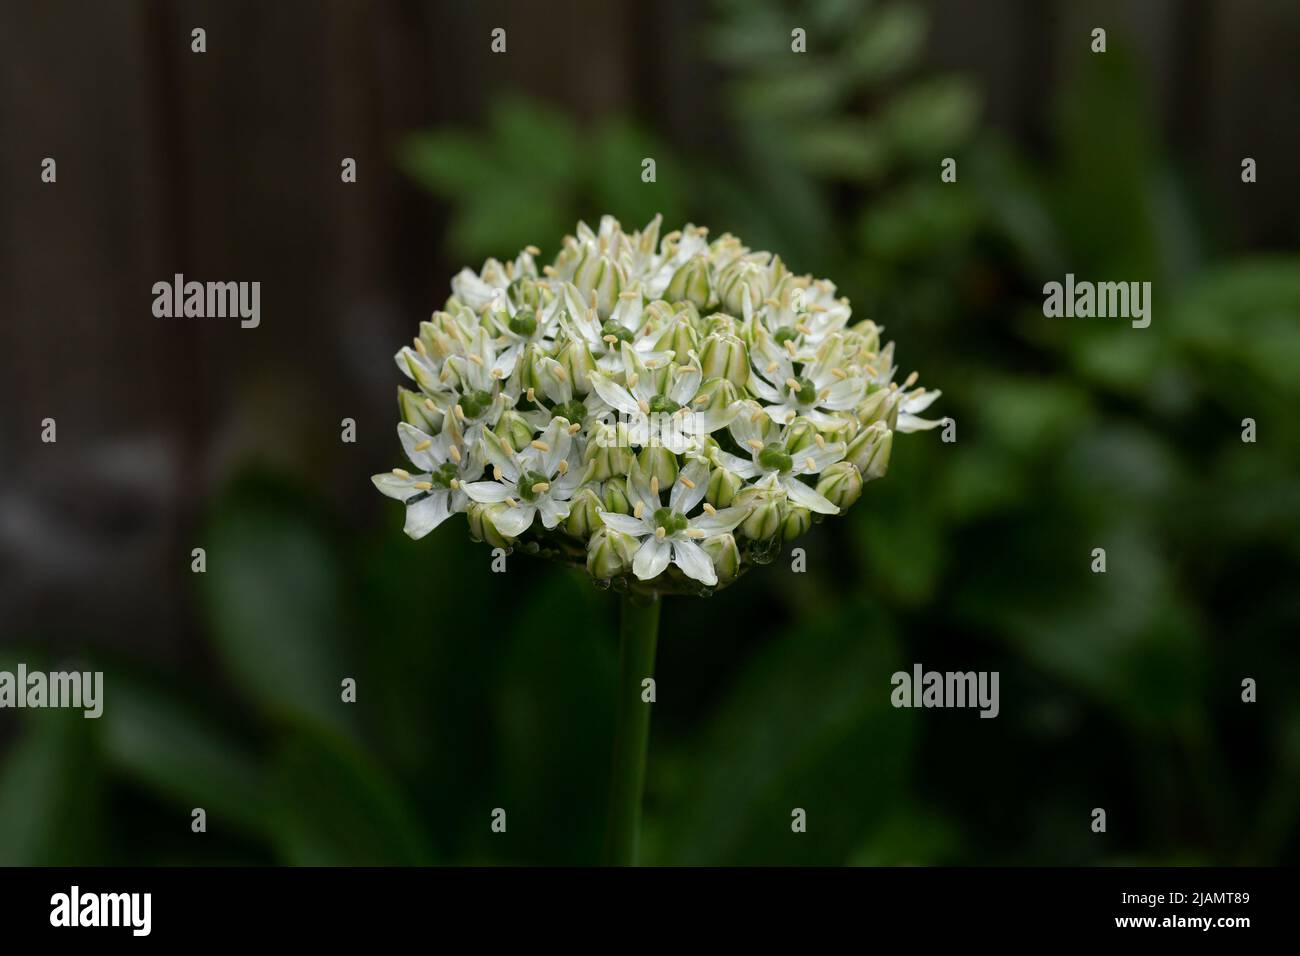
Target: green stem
[{"x": 637, "y": 634}]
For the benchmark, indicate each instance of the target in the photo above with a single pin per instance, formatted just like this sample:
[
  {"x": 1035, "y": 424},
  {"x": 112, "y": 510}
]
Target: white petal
[
  {"x": 615, "y": 395},
  {"x": 741, "y": 467},
  {"x": 552, "y": 511},
  {"x": 724, "y": 519},
  {"x": 411, "y": 436},
  {"x": 806, "y": 497},
  {"x": 487, "y": 492},
  {"x": 494, "y": 450},
  {"x": 691, "y": 558},
  {"x": 399, "y": 488},
  {"x": 427, "y": 513},
  {"x": 651, "y": 558},
  {"x": 637, "y": 527},
  {"x": 685, "y": 386},
  {"x": 684, "y": 497},
  {"x": 512, "y": 522}
]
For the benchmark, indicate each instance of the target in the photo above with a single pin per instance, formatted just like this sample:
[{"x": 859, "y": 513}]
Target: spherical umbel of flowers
[{"x": 664, "y": 411}]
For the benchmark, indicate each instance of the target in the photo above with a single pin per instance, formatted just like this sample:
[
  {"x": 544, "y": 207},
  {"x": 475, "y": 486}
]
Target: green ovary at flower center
[
  {"x": 662, "y": 405},
  {"x": 806, "y": 393},
  {"x": 616, "y": 329},
  {"x": 784, "y": 334},
  {"x": 531, "y": 485},
  {"x": 671, "y": 521},
  {"x": 573, "y": 411},
  {"x": 524, "y": 323},
  {"x": 443, "y": 475},
  {"x": 774, "y": 457},
  {"x": 475, "y": 403}
]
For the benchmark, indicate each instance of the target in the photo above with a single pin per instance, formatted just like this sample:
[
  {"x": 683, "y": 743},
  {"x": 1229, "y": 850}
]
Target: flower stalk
[{"x": 638, "y": 635}]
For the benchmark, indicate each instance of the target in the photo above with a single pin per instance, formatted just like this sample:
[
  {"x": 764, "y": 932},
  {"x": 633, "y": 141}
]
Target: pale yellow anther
[
  {"x": 421, "y": 446},
  {"x": 839, "y": 373},
  {"x": 541, "y": 486},
  {"x": 793, "y": 384},
  {"x": 772, "y": 367},
  {"x": 709, "y": 509},
  {"x": 610, "y": 339},
  {"x": 575, "y": 428},
  {"x": 695, "y": 533},
  {"x": 454, "y": 452},
  {"x": 561, "y": 374},
  {"x": 460, "y": 412},
  {"x": 424, "y": 485},
  {"x": 532, "y": 394},
  {"x": 654, "y": 484},
  {"x": 511, "y": 502},
  {"x": 789, "y": 346},
  {"x": 772, "y": 302},
  {"x": 809, "y": 464},
  {"x": 686, "y": 481},
  {"x": 419, "y": 347},
  {"x": 660, "y": 533},
  {"x": 455, "y": 484},
  {"x": 804, "y": 329},
  {"x": 821, "y": 441},
  {"x": 755, "y": 444},
  {"x": 477, "y": 360},
  {"x": 632, "y": 380},
  {"x": 402, "y": 473},
  {"x": 636, "y": 512},
  {"x": 532, "y": 250},
  {"x": 548, "y": 271},
  {"x": 562, "y": 467},
  {"x": 701, "y": 399},
  {"x": 496, "y": 472},
  {"x": 644, "y": 406},
  {"x": 540, "y": 445},
  {"x": 911, "y": 380},
  {"x": 429, "y": 406}
]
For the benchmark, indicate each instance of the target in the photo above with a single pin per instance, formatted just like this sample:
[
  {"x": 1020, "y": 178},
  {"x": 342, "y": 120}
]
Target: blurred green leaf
[
  {"x": 886, "y": 42},
  {"x": 807, "y": 724},
  {"x": 278, "y": 600},
  {"x": 333, "y": 806},
  {"x": 931, "y": 118},
  {"x": 169, "y": 747},
  {"x": 51, "y": 801}
]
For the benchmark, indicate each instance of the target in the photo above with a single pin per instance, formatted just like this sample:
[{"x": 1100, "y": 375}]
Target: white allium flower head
[{"x": 684, "y": 399}]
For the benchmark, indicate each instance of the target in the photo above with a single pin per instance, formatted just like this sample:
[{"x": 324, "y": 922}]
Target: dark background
[{"x": 479, "y": 691}]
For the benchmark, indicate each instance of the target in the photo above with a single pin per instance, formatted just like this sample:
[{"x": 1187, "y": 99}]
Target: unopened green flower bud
[
  {"x": 800, "y": 436},
  {"x": 691, "y": 283},
  {"x": 610, "y": 553},
  {"x": 576, "y": 360},
  {"x": 764, "y": 519},
  {"x": 604, "y": 276},
  {"x": 797, "y": 520},
  {"x": 719, "y": 323},
  {"x": 658, "y": 462},
  {"x": 715, "y": 393},
  {"x": 679, "y": 336},
  {"x": 514, "y": 428},
  {"x": 840, "y": 484},
  {"x": 614, "y": 494},
  {"x": 481, "y": 527},
  {"x": 868, "y": 335},
  {"x": 725, "y": 356},
  {"x": 418, "y": 411},
  {"x": 607, "y": 453},
  {"x": 870, "y": 450},
  {"x": 724, "y": 554},
  {"x": 584, "y": 513},
  {"x": 723, "y": 486},
  {"x": 525, "y": 293},
  {"x": 874, "y": 407},
  {"x": 735, "y": 279}
]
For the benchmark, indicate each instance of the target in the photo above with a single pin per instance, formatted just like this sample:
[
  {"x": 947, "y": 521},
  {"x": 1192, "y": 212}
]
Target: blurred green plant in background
[{"x": 1119, "y": 690}]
